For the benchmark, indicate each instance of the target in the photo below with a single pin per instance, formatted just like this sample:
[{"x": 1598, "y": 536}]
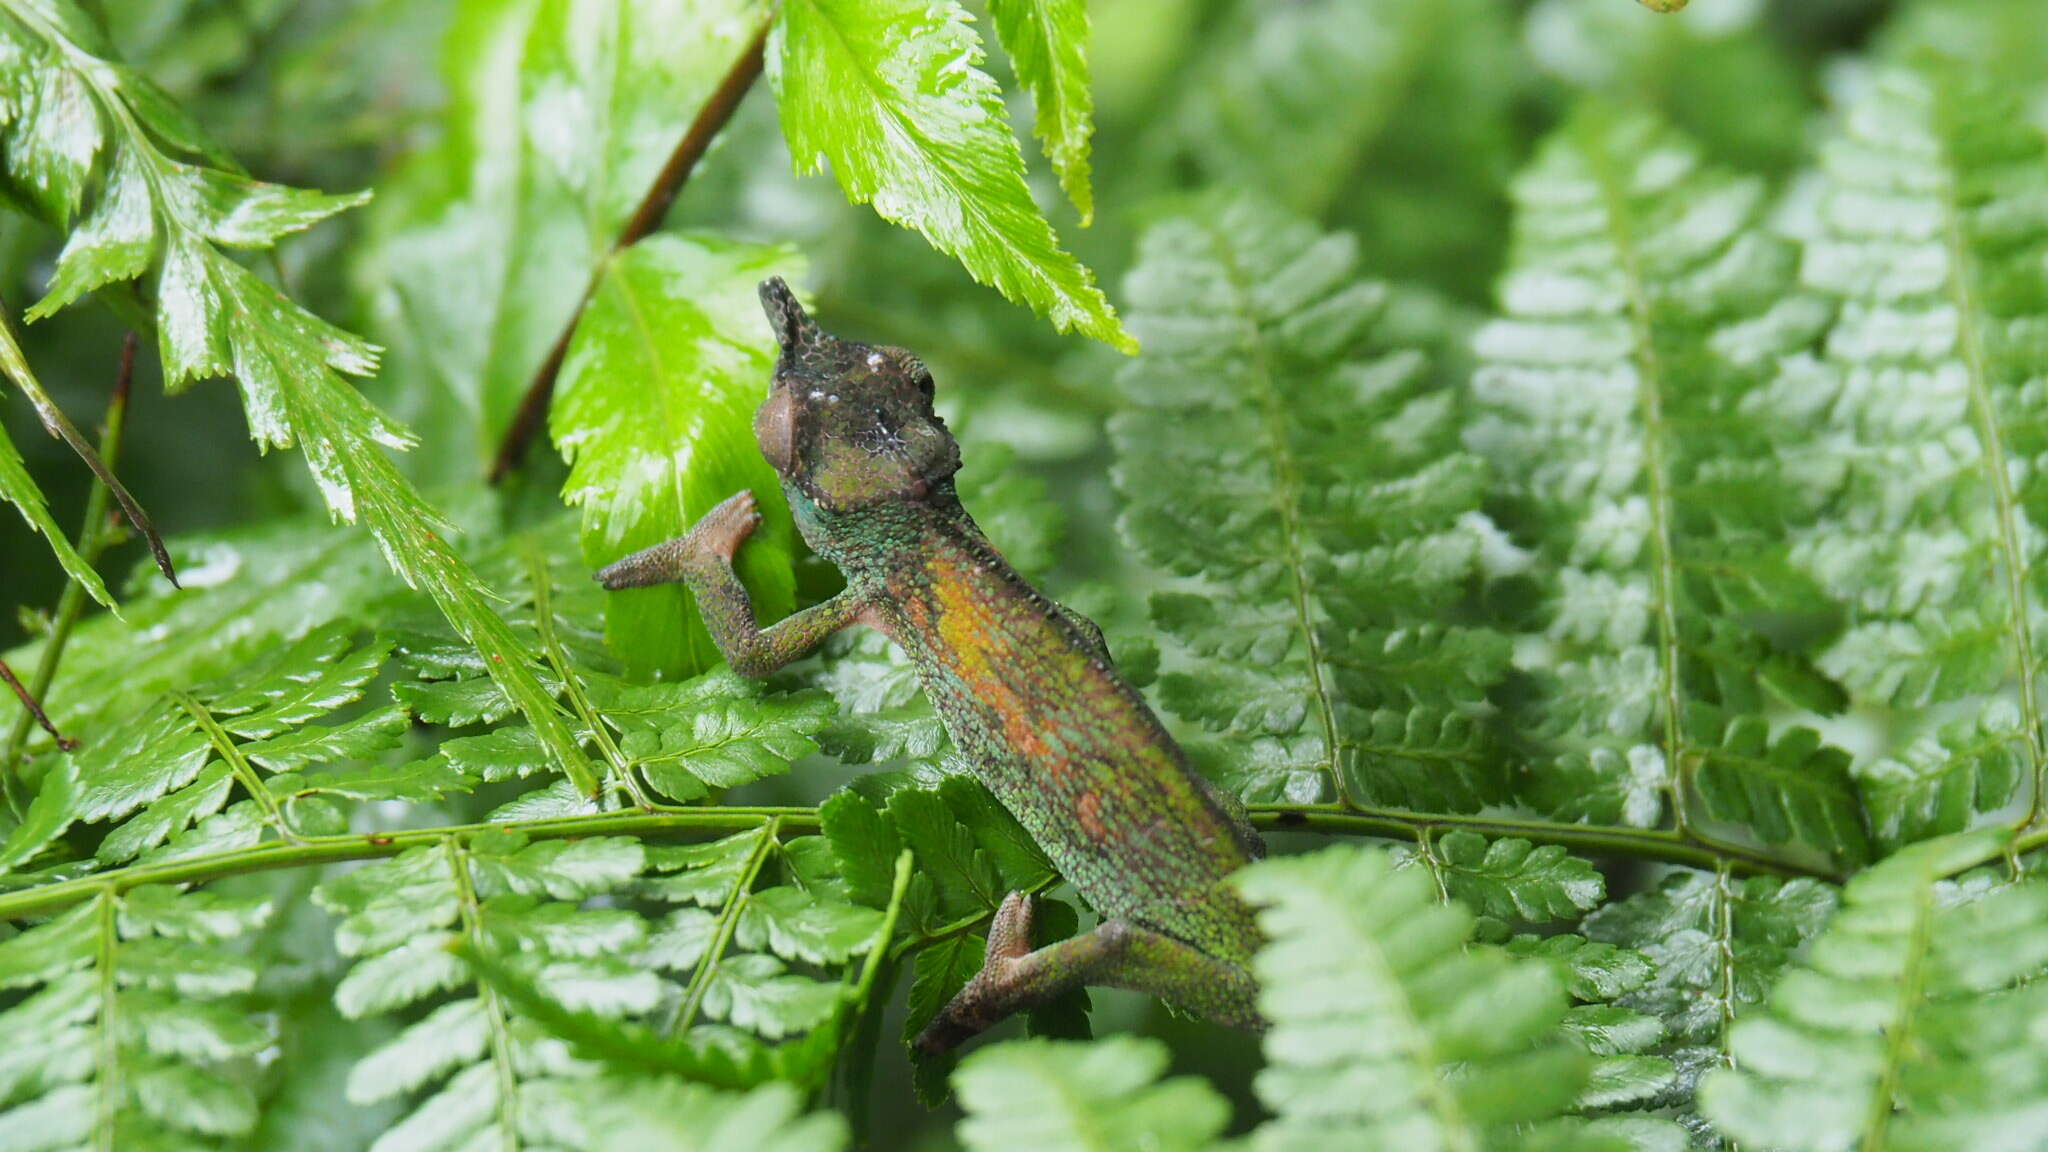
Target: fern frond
[
  {"x": 1279, "y": 466},
  {"x": 1105, "y": 1096},
  {"x": 1714, "y": 945},
  {"x": 1641, "y": 285},
  {"x": 179, "y": 756},
  {"x": 1367, "y": 979},
  {"x": 167, "y": 204},
  {"x": 1927, "y": 235},
  {"x": 624, "y": 1114},
  {"x": 559, "y": 952},
  {"x": 1918, "y": 994},
  {"x": 135, "y": 1030}
]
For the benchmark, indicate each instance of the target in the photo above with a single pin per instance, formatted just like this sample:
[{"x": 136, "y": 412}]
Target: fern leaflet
[
  {"x": 1925, "y": 232},
  {"x": 1641, "y": 286},
  {"x": 135, "y": 1034},
  {"x": 1321, "y": 521}
]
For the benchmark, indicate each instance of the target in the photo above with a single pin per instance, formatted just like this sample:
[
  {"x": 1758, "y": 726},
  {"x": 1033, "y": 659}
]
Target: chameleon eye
[{"x": 774, "y": 427}]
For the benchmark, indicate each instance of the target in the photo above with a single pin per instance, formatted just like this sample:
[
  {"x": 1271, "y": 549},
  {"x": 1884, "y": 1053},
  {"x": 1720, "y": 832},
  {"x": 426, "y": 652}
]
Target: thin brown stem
[
  {"x": 654, "y": 206},
  {"x": 94, "y": 535},
  {"x": 35, "y": 710},
  {"x": 60, "y": 427}
]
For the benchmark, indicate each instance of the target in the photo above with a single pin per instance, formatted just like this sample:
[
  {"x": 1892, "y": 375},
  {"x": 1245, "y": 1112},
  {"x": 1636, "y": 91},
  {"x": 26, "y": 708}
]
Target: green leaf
[
  {"x": 864, "y": 843},
  {"x": 1048, "y": 45},
  {"x": 563, "y": 115},
  {"x": 891, "y": 95},
  {"x": 18, "y": 488},
  {"x": 1924, "y": 235},
  {"x": 717, "y": 731},
  {"x": 1104, "y": 1096},
  {"x": 1313, "y": 494},
  {"x": 623, "y": 1114},
  {"x": 654, "y": 413},
  {"x": 216, "y": 318}
]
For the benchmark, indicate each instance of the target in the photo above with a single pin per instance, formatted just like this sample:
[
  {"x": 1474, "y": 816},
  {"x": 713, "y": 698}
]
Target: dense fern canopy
[{"x": 1569, "y": 469}]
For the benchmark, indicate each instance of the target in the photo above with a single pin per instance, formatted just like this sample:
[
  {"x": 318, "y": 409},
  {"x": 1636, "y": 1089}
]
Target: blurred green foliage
[{"x": 1556, "y": 422}]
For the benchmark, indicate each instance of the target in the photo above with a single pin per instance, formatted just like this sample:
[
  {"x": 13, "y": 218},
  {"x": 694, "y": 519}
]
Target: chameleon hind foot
[
  {"x": 1115, "y": 954},
  {"x": 718, "y": 535}
]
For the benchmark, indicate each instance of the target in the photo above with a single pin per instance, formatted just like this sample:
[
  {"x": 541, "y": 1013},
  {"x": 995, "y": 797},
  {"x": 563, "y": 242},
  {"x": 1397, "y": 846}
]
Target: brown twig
[
  {"x": 93, "y": 538},
  {"x": 654, "y": 206},
  {"x": 59, "y": 426},
  {"x": 35, "y": 710}
]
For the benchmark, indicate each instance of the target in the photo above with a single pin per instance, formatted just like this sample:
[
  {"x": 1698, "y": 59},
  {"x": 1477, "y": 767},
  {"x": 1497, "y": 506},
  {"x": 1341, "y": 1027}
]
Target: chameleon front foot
[
  {"x": 717, "y": 537},
  {"x": 1116, "y": 954}
]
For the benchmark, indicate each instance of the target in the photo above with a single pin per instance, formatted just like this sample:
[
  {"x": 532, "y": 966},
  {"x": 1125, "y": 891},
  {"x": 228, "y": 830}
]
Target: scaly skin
[{"x": 1024, "y": 686}]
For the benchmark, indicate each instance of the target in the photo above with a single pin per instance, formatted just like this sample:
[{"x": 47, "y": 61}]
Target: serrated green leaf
[
  {"x": 1515, "y": 880},
  {"x": 891, "y": 95},
  {"x": 865, "y": 844},
  {"x": 797, "y": 926},
  {"x": 1047, "y": 41},
  {"x": 654, "y": 414}
]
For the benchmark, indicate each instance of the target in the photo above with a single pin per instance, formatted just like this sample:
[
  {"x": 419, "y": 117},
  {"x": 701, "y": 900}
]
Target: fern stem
[
  {"x": 494, "y": 1007},
  {"x": 310, "y": 850},
  {"x": 1650, "y": 384},
  {"x": 244, "y": 772},
  {"x": 1724, "y": 955},
  {"x": 1286, "y": 504},
  {"x": 728, "y": 920},
  {"x": 1664, "y": 844},
  {"x": 1900, "y": 1044},
  {"x": 107, "y": 1084}
]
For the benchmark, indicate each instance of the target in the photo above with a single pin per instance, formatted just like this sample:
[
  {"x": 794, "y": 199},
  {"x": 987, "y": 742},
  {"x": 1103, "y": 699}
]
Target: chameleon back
[{"x": 1054, "y": 731}]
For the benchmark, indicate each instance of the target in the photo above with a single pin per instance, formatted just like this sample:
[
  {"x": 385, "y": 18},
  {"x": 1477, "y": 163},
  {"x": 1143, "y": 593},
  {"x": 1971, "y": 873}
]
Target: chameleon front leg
[
  {"x": 1116, "y": 954},
  {"x": 702, "y": 559}
]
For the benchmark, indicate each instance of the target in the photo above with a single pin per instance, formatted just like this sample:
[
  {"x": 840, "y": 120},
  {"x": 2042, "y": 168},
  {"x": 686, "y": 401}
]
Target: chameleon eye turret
[{"x": 1025, "y": 686}]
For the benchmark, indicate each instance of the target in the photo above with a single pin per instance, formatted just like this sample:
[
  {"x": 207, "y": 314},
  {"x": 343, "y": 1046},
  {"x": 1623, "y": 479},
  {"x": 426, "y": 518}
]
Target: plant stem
[
  {"x": 1662, "y": 844},
  {"x": 309, "y": 850},
  {"x": 94, "y": 535},
  {"x": 654, "y": 206},
  {"x": 1640, "y": 843},
  {"x": 35, "y": 710}
]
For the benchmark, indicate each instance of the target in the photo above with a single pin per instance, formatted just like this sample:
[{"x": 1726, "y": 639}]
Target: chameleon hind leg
[{"x": 1116, "y": 954}]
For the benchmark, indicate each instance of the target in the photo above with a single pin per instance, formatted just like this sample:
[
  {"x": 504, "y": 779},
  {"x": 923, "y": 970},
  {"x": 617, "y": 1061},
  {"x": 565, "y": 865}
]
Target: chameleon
[{"x": 1024, "y": 685}]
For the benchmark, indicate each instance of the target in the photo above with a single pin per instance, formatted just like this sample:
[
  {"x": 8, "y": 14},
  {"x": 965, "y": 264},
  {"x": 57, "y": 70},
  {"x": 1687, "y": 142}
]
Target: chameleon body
[{"x": 1024, "y": 686}]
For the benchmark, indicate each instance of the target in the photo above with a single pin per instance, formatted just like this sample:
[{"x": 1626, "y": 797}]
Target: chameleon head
[{"x": 849, "y": 425}]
